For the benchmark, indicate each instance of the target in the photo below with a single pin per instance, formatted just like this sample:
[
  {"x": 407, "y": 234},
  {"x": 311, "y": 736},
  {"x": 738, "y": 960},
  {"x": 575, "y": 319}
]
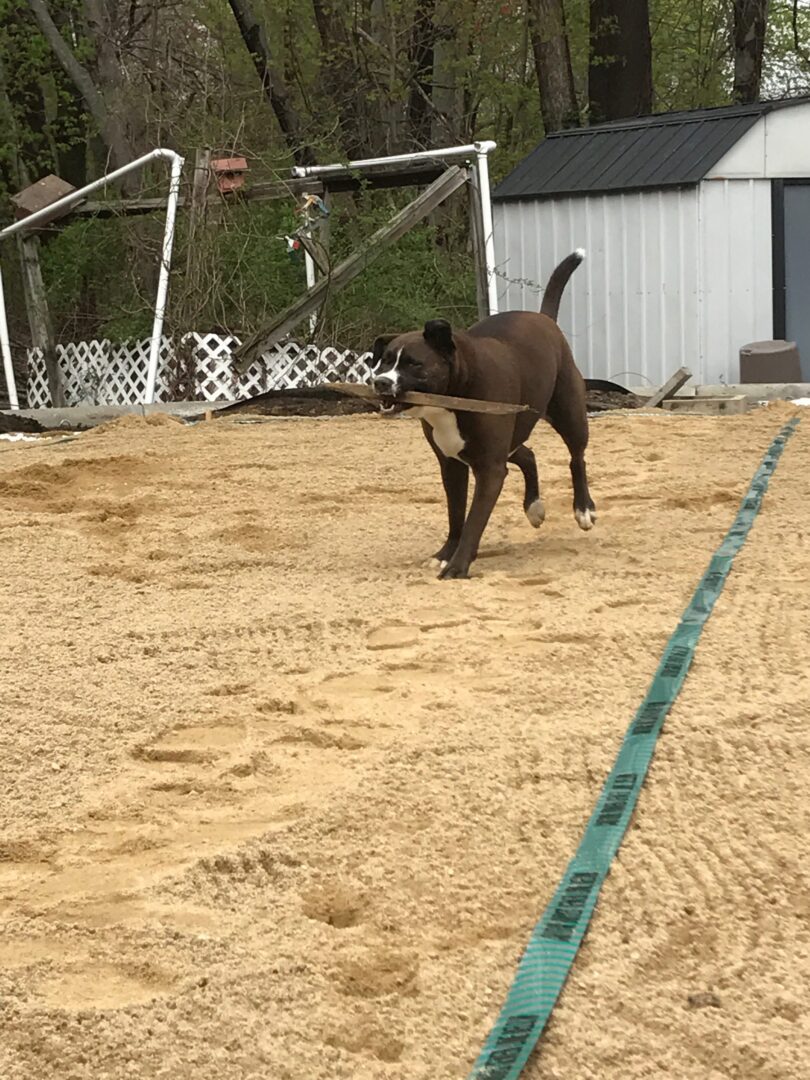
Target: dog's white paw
[
  {"x": 435, "y": 564},
  {"x": 585, "y": 519},
  {"x": 536, "y": 513}
]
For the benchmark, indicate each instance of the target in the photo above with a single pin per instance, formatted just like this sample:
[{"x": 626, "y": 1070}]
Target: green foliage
[
  {"x": 240, "y": 273},
  {"x": 190, "y": 82},
  {"x": 42, "y": 118},
  {"x": 692, "y": 61},
  {"x": 786, "y": 67},
  {"x": 409, "y": 283}
]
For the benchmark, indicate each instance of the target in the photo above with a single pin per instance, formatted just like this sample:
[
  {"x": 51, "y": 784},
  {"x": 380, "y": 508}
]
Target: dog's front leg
[
  {"x": 488, "y": 484},
  {"x": 455, "y": 477}
]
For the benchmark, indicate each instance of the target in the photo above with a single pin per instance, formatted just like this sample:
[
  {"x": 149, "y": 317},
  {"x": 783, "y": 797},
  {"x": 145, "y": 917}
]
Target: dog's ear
[
  {"x": 438, "y": 333},
  {"x": 378, "y": 348}
]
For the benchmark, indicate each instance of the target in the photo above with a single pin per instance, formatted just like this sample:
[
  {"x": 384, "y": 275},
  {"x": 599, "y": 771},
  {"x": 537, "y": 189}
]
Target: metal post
[
  {"x": 163, "y": 280},
  {"x": 481, "y": 152},
  {"x": 5, "y": 348}
]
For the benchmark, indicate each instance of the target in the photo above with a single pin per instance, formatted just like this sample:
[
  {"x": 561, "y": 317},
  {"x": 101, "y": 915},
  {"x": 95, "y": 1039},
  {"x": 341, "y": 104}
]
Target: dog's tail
[{"x": 558, "y": 281}]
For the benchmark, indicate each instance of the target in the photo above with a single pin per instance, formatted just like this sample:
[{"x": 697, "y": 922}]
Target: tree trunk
[
  {"x": 620, "y": 66},
  {"x": 750, "y": 24},
  {"x": 391, "y": 115},
  {"x": 552, "y": 63},
  {"x": 420, "y": 66},
  {"x": 449, "y": 122},
  {"x": 110, "y": 126},
  {"x": 343, "y": 81},
  {"x": 105, "y": 24},
  {"x": 275, "y": 90}
]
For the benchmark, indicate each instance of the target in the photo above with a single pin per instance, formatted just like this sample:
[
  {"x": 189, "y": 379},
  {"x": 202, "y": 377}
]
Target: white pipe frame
[
  {"x": 479, "y": 150},
  {"x": 69, "y": 201}
]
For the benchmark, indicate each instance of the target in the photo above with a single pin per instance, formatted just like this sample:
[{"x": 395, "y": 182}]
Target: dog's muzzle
[{"x": 385, "y": 388}]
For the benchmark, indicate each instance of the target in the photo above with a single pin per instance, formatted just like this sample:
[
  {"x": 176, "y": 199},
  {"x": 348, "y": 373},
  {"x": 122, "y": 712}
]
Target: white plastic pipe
[
  {"x": 74, "y": 197},
  {"x": 70, "y": 200},
  {"x": 309, "y": 267},
  {"x": 482, "y": 162},
  {"x": 163, "y": 279},
  {"x": 5, "y": 348},
  {"x": 480, "y": 150},
  {"x": 397, "y": 159}
]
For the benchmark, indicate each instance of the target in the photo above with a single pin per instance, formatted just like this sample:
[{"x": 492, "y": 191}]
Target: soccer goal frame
[{"x": 67, "y": 203}]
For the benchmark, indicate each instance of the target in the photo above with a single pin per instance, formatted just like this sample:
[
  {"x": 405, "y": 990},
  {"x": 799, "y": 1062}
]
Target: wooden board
[
  {"x": 35, "y": 197},
  {"x": 436, "y": 401},
  {"x": 707, "y": 406},
  {"x": 670, "y": 387}
]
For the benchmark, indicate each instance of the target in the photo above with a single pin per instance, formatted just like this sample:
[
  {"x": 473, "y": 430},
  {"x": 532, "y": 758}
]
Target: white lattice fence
[{"x": 194, "y": 367}]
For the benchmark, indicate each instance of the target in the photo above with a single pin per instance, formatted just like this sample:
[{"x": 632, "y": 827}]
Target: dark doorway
[{"x": 791, "y": 266}]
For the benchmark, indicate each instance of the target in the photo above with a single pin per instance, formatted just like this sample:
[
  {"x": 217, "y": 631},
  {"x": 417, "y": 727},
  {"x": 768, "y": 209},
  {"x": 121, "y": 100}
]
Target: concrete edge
[{"x": 78, "y": 417}]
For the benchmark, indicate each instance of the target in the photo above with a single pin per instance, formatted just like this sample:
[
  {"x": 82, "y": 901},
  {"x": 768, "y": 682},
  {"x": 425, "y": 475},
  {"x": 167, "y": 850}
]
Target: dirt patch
[
  {"x": 606, "y": 400},
  {"x": 278, "y": 803},
  {"x": 304, "y": 402}
]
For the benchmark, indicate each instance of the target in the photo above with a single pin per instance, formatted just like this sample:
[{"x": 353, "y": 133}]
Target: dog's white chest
[{"x": 445, "y": 429}]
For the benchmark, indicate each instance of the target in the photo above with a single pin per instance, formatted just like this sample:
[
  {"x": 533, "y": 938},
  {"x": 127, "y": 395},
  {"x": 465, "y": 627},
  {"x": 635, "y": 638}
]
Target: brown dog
[{"x": 519, "y": 357}]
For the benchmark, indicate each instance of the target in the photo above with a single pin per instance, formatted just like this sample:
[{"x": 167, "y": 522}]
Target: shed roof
[{"x": 664, "y": 150}]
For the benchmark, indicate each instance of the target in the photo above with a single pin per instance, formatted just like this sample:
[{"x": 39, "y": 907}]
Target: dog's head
[{"x": 413, "y": 361}]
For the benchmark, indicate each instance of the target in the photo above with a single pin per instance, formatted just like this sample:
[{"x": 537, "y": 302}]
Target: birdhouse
[
  {"x": 41, "y": 194},
  {"x": 229, "y": 173}
]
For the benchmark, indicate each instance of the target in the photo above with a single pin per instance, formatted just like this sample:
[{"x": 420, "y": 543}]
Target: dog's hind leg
[
  {"x": 455, "y": 477},
  {"x": 533, "y": 507},
  {"x": 567, "y": 413}
]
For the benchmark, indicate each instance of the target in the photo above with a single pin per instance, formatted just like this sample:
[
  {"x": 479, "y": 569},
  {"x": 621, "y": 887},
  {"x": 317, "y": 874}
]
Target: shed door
[{"x": 797, "y": 270}]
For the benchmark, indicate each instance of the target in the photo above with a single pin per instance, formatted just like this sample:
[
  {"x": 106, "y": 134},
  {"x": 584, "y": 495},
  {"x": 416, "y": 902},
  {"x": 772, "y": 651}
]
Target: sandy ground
[{"x": 277, "y": 804}]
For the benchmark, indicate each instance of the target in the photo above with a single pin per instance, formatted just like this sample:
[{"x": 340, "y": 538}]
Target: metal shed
[{"x": 697, "y": 229}]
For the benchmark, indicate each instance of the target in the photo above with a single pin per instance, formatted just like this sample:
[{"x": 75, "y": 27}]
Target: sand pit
[{"x": 277, "y": 804}]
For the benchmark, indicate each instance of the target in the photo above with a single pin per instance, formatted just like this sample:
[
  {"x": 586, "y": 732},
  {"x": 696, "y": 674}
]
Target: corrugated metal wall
[
  {"x": 645, "y": 302},
  {"x": 736, "y": 272}
]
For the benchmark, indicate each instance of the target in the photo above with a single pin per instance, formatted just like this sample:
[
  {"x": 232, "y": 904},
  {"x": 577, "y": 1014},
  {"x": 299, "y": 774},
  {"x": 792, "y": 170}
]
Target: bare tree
[
  {"x": 620, "y": 65},
  {"x": 275, "y": 89},
  {"x": 749, "y": 27},
  {"x": 552, "y": 63}
]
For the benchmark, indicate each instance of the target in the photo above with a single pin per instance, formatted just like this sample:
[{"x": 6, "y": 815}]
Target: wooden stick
[
  {"x": 670, "y": 387},
  {"x": 436, "y": 401}
]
